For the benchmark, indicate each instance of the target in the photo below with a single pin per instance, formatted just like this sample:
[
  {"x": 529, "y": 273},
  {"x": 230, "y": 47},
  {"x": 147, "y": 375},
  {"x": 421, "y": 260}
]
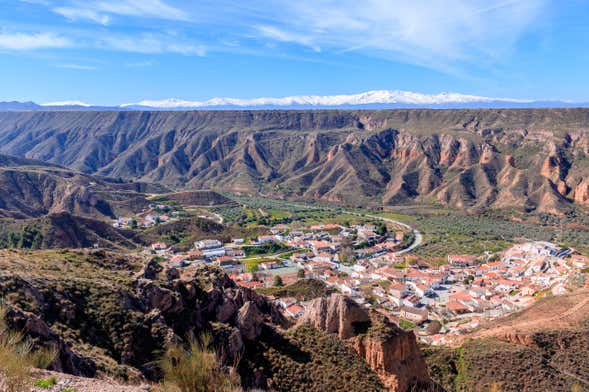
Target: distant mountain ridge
[
  {"x": 376, "y": 99},
  {"x": 529, "y": 159}
]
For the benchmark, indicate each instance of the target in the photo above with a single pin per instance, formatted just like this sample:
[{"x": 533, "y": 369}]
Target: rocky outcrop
[
  {"x": 249, "y": 320},
  {"x": 517, "y": 338},
  {"x": 582, "y": 192},
  {"x": 391, "y": 352},
  {"x": 36, "y": 329},
  {"x": 336, "y": 314},
  {"x": 120, "y": 318},
  {"x": 395, "y": 359}
]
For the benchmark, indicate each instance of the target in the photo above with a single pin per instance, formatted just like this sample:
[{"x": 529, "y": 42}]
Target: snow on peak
[
  {"x": 366, "y": 98},
  {"x": 67, "y": 103}
]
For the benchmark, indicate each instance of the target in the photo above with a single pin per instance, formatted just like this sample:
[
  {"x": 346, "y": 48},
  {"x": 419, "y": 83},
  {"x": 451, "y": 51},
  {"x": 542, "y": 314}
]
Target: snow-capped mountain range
[
  {"x": 377, "y": 99},
  {"x": 367, "y": 98}
]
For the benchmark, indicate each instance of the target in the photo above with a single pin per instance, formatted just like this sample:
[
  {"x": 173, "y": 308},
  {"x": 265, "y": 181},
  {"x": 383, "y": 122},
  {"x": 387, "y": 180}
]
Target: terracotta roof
[
  {"x": 455, "y": 306},
  {"x": 461, "y": 296},
  {"x": 250, "y": 285},
  {"x": 294, "y": 309}
]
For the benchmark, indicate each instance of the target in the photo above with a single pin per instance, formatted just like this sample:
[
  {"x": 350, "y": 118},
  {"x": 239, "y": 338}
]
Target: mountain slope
[
  {"x": 541, "y": 348},
  {"x": 115, "y": 314},
  {"x": 33, "y": 188},
  {"x": 530, "y": 159}
]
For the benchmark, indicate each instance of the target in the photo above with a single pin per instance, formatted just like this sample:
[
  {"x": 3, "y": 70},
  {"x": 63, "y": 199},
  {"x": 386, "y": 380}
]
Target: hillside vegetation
[
  {"x": 542, "y": 348},
  {"x": 117, "y": 314}
]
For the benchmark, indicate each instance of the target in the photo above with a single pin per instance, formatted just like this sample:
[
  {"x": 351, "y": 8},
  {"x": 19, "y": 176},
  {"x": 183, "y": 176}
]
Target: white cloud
[
  {"x": 32, "y": 41},
  {"x": 149, "y": 43},
  {"x": 284, "y": 36},
  {"x": 434, "y": 33},
  {"x": 36, "y": 2},
  {"x": 74, "y": 14},
  {"x": 141, "y": 64},
  {"x": 99, "y": 11},
  {"x": 78, "y": 67},
  {"x": 144, "y": 8}
]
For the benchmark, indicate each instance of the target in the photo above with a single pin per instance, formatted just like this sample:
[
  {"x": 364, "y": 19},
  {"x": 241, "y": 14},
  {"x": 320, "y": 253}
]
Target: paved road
[{"x": 418, "y": 236}]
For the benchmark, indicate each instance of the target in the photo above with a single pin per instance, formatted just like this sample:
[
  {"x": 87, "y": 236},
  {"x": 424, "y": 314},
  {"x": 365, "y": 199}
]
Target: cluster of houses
[
  {"x": 464, "y": 290},
  {"x": 458, "y": 294},
  {"x": 151, "y": 216}
]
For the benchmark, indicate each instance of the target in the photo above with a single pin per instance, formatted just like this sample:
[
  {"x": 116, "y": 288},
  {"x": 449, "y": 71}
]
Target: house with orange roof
[
  {"x": 457, "y": 307},
  {"x": 319, "y": 246},
  {"x": 506, "y": 285},
  {"x": 250, "y": 284},
  {"x": 318, "y": 266},
  {"x": 269, "y": 265},
  {"x": 194, "y": 255},
  {"x": 224, "y": 261},
  {"x": 388, "y": 272},
  {"x": 178, "y": 259},
  {"x": 295, "y": 311},
  {"x": 324, "y": 257},
  {"x": 579, "y": 261}
]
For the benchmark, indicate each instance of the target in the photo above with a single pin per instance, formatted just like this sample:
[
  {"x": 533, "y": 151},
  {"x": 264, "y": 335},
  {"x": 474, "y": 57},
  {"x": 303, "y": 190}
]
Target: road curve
[{"x": 418, "y": 236}]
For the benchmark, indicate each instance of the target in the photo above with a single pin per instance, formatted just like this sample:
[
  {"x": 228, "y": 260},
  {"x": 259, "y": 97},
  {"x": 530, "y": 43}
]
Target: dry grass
[
  {"x": 195, "y": 369},
  {"x": 17, "y": 358}
]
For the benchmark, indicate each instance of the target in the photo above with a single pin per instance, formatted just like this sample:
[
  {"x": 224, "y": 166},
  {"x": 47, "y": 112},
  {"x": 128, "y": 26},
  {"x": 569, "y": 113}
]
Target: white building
[{"x": 207, "y": 244}]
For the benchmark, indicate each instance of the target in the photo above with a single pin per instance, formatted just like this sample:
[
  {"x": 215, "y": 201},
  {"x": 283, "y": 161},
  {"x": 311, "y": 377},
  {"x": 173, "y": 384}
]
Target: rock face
[
  {"x": 528, "y": 159},
  {"x": 396, "y": 359},
  {"x": 249, "y": 320},
  {"x": 391, "y": 352},
  {"x": 582, "y": 192},
  {"x": 336, "y": 314},
  {"x": 68, "y": 360}
]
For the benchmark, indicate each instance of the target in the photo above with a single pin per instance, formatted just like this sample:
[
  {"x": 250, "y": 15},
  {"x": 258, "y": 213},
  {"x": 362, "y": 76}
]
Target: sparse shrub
[
  {"x": 46, "y": 383},
  {"x": 41, "y": 359},
  {"x": 17, "y": 358},
  {"x": 195, "y": 369},
  {"x": 278, "y": 281},
  {"x": 406, "y": 324}
]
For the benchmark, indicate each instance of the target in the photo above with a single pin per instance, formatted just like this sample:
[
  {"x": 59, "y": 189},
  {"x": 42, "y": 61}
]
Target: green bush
[
  {"x": 46, "y": 383},
  {"x": 406, "y": 324}
]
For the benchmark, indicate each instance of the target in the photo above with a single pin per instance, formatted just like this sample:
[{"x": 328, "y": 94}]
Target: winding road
[{"x": 418, "y": 236}]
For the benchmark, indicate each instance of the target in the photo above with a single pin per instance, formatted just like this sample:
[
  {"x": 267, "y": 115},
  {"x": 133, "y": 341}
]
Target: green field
[
  {"x": 486, "y": 232},
  {"x": 444, "y": 231}
]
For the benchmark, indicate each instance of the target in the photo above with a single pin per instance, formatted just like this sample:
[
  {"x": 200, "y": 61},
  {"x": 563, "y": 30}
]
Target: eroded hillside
[{"x": 531, "y": 159}]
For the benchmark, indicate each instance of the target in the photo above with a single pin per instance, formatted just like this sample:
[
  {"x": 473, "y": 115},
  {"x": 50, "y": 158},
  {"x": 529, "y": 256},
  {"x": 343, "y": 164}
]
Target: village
[
  {"x": 366, "y": 262},
  {"x": 155, "y": 214}
]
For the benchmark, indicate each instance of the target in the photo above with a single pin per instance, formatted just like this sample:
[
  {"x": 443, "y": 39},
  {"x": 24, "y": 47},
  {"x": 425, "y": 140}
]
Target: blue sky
[{"x": 109, "y": 52}]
